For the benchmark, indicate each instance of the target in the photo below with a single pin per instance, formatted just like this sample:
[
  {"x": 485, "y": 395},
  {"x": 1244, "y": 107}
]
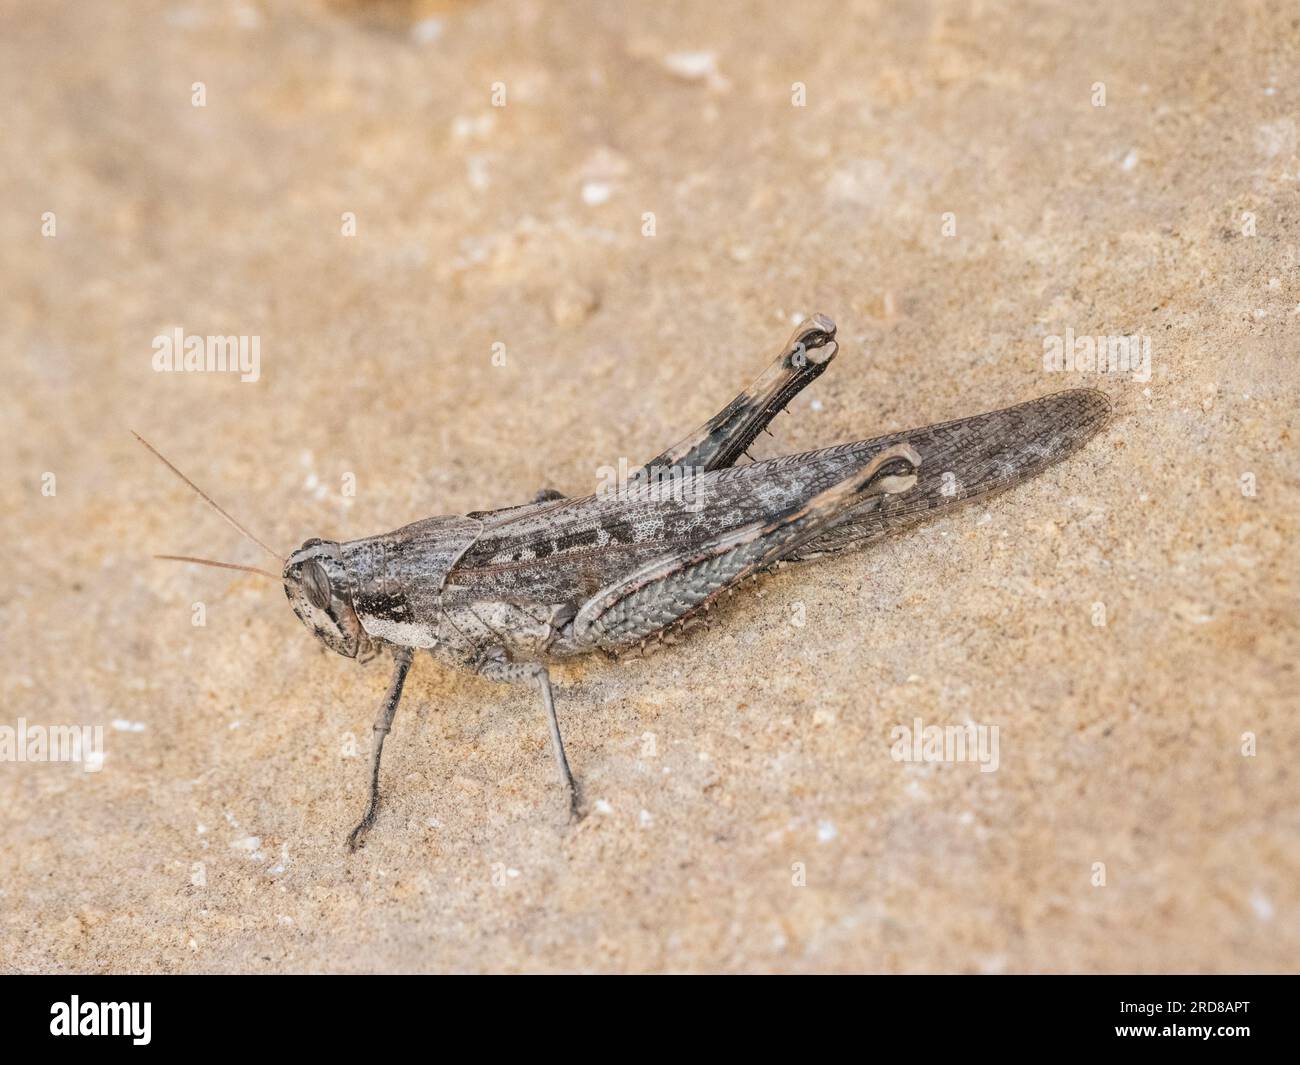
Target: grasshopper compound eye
[{"x": 316, "y": 584}]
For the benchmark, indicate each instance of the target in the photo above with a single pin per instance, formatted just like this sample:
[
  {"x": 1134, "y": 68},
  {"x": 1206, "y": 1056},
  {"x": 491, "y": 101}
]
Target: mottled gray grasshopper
[{"x": 503, "y": 592}]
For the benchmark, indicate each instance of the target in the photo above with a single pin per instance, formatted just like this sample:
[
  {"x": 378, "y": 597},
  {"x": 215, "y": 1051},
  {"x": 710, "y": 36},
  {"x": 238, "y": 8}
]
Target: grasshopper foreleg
[
  {"x": 383, "y": 722},
  {"x": 495, "y": 665}
]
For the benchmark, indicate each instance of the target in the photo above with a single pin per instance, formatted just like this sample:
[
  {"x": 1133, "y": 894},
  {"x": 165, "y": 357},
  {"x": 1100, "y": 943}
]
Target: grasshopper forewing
[{"x": 504, "y": 592}]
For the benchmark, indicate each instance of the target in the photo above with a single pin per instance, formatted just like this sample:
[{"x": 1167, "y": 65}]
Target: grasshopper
[{"x": 502, "y": 593}]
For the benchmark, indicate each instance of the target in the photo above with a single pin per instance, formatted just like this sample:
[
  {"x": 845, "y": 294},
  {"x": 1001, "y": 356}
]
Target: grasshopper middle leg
[{"x": 495, "y": 665}]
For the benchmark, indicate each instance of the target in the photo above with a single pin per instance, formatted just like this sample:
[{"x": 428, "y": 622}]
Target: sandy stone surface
[{"x": 950, "y": 192}]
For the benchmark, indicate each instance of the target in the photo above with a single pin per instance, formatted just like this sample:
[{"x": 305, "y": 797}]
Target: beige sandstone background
[{"x": 212, "y": 838}]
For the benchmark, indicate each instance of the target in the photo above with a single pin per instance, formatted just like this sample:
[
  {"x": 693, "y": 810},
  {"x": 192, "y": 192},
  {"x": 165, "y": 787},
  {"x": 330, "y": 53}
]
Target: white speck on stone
[
  {"x": 93, "y": 761},
  {"x": 234, "y": 725},
  {"x": 865, "y": 182},
  {"x": 594, "y": 193},
  {"x": 122, "y": 725},
  {"x": 465, "y": 127},
  {"x": 645, "y": 818},
  {"x": 427, "y": 30},
  {"x": 1194, "y": 612},
  {"x": 603, "y": 807},
  {"x": 248, "y": 843},
  {"x": 512, "y": 873},
  {"x": 816, "y": 406},
  {"x": 693, "y": 66},
  {"x": 1262, "y": 905},
  {"x": 826, "y": 831},
  {"x": 1130, "y": 160},
  {"x": 200, "y": 829},
  {"x": 477, "y": 173}
]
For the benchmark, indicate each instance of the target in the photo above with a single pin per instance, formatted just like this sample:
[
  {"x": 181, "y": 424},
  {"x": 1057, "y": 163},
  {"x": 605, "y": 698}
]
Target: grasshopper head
[{"x": 318, "y": 587}]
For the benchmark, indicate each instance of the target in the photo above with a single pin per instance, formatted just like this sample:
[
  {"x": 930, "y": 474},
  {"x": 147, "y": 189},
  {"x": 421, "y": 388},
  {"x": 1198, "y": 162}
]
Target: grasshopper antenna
[
  {"x": 212, "y": 503},
  {"x": 219, "y": 565}
]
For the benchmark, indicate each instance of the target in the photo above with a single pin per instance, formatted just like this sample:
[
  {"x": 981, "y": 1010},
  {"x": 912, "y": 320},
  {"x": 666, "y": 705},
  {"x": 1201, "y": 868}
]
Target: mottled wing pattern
[
  {"x": 970, "y": 459},
  {"x": 566, "y": 550}
]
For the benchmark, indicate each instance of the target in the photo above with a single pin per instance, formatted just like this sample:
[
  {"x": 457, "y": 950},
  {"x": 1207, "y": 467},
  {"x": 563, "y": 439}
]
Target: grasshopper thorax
[{"x": 320, "y": 589}]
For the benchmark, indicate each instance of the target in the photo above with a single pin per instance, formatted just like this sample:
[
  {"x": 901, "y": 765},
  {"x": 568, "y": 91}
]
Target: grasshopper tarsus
[
  {"x": 577, "y": 808},
  {"x": 358, "y": 834}
]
